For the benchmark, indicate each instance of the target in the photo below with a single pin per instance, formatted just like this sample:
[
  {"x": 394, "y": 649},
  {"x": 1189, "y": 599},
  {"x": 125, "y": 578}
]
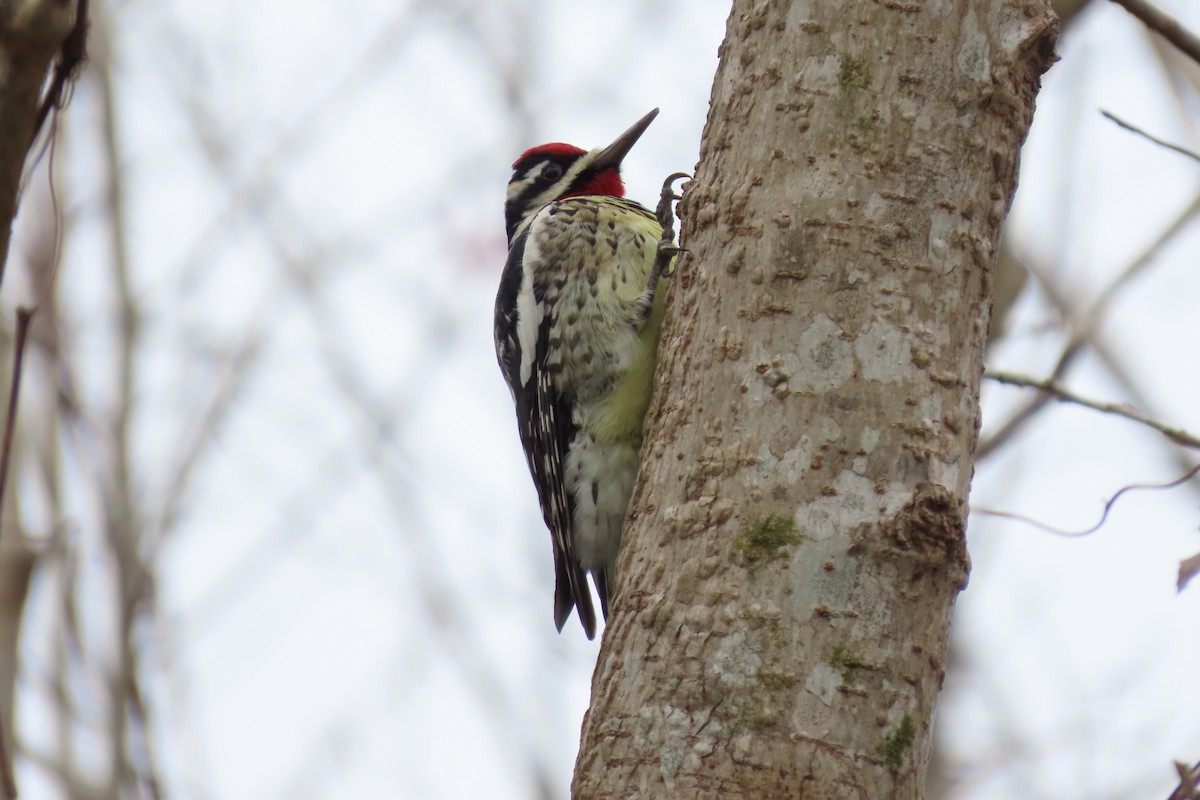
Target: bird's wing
[{"x": 544, "y": 421}]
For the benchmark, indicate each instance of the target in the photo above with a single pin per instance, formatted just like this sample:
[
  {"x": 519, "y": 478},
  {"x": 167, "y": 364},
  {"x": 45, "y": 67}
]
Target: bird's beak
[{"x": 610, "y": 157}]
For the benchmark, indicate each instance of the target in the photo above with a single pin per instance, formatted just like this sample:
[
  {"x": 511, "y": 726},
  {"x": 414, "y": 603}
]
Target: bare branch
[
  {"x": 77, "y": 787},
  {"x": 1188, "y": 569},
  {"x": 132, "y": 765},
  {"x": 8, "y": 783},
  {"x": 69, "y": 60},
  {"x": 1165, "y": 25},
  {"x": 29, "y": 40},
  {"x": 1189, "y": 782},
  {"x": 1059, "y": 392},
  {"x": 1103, "y": 516},
  {"x": 1088, "y": 323},
  {"x": 24, "y": 315},
  {"x": 1129, "y": 126},
  {"x": 229, "y": 389}
]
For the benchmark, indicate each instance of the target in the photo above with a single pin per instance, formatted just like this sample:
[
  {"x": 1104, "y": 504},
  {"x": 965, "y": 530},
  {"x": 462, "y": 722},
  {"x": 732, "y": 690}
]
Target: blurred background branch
[{"x": 268, "y": 533}]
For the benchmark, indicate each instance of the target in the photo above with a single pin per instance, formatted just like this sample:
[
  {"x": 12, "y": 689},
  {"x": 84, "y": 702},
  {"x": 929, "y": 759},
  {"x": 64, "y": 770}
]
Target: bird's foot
[{"x": 667, "y": 249}]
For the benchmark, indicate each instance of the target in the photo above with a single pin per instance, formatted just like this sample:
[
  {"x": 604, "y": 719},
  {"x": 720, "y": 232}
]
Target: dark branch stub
[{"x": 72, "y": 55}]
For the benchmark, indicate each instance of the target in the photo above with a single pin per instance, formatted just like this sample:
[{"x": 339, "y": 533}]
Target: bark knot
[{"x": 931, "y": 527}]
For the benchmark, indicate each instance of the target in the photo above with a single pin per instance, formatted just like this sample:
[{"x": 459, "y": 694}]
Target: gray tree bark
[{"x": 795, "y": 545}]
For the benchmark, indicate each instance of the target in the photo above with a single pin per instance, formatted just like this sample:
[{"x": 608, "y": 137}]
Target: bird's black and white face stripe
[{"x": 541, "y": 176}]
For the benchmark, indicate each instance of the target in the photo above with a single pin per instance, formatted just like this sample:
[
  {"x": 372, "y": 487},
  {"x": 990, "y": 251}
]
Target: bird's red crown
[
  {"x": 551, "y": 149},
  {"x": 606, "y": 182}
]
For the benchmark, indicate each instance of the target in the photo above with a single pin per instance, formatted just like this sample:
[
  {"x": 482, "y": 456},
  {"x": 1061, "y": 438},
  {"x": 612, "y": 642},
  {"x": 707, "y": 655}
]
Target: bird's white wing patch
[{"x": 530, "y": 311}]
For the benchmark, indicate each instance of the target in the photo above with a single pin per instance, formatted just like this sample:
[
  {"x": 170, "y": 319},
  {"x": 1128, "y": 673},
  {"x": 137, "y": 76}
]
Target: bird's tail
[{"x": 571, "y": 591}]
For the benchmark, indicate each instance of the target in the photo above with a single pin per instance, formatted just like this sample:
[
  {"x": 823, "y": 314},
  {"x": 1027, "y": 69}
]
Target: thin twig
[
  {"x": 24, "y": 315},
  {"x": 1189, "y": 782},
  {"x": 68, "y": 63},
  {"x": 7, "y": 782},
  {"x": 72, "y": 55},
  {"x": 1184, "y": 478},
  {"x": 1092, "y": 319},
  {"x": 1059, "y": 392},
  {"x": 1086, "y": 325},
  {"x": 1188, "y": 569},
  {"x": 1129, "y": 126},
  {"x": 1166, "y": 25},
  {"x": 70, "y": 58},
  {"x": 129, "y": 772}
]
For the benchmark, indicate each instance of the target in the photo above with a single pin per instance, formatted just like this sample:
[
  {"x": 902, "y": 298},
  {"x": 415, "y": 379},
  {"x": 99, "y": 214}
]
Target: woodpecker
[{"x": 577, "y": 320}]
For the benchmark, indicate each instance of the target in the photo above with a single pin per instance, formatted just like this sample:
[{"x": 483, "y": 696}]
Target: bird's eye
[{"x": 551, "y": 172}]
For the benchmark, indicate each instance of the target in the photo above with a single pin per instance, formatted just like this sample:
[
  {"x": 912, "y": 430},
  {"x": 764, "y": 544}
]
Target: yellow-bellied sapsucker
[{"x": 578, "y": 315}]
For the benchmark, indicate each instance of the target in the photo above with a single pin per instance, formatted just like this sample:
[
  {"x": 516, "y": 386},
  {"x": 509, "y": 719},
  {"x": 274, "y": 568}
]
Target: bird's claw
[
  {"x": 667, "y": 249},
  {"x": 663, "y": 260},
  {"x": 665, "y": 215}
]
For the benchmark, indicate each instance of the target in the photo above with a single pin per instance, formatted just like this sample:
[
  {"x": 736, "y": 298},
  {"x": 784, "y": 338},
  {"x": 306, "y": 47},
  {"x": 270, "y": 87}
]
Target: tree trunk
[{"x": 796, "y": 542}]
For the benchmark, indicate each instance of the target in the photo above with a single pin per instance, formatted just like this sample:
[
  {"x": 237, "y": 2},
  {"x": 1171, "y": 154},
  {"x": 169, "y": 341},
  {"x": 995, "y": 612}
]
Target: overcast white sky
[{"x": 358, "y": 601}]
